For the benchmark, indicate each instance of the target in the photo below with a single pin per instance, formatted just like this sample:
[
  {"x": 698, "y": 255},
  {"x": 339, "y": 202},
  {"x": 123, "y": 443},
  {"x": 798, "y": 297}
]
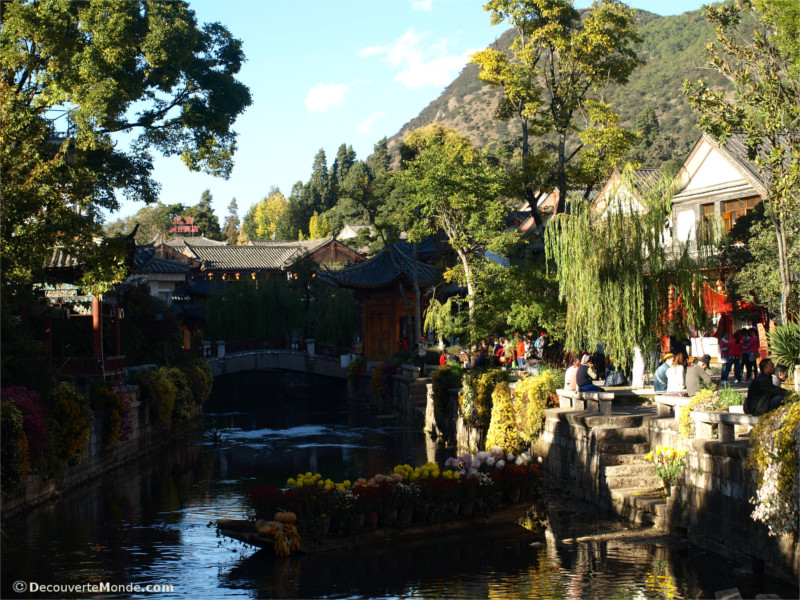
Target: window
[
  {"x": 708, "y": 215},
  {"x": 733, "y": 209}
]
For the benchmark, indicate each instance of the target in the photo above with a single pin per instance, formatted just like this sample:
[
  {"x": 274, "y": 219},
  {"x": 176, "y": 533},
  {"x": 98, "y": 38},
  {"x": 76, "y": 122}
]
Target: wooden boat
[{"x": 507, "y": 517}]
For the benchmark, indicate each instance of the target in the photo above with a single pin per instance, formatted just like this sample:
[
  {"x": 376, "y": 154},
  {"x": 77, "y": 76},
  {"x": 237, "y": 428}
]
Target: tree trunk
[
  {"x": 561, "y": 180},
  {"x": 417, "y": 300},
  {"x": 783, "y": 266},
  {"x": 530, "y": 193},
  {"x": 462, "y": 254}
]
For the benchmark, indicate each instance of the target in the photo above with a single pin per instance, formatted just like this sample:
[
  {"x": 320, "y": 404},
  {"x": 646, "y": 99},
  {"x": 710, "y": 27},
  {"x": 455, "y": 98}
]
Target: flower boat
[{"x": 488, "y": 491}]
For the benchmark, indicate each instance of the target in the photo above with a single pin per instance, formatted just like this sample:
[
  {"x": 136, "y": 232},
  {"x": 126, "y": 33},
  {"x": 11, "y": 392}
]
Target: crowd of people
[
  {"x": 513, "y": 352},
  {"x": 741, "y": 353}
]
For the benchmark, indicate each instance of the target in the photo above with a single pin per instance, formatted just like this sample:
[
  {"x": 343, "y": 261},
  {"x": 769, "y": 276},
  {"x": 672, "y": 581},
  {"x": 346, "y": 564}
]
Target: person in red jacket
[{"x": 520, "y": 352}]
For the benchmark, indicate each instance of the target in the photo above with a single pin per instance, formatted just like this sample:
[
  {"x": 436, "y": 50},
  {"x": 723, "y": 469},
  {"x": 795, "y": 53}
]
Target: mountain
[{"x": 673, "y": 48}]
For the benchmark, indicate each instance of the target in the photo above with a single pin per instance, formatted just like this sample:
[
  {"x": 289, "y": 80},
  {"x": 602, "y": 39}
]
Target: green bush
[
  {"x": 442, "y": 380},
  {"x": 475, "y": 399},
  {"x": 70, "y": 417},
  {"x": 14, "y": 464},
  {"x": 201, "y": 381},
  {"x": 161, "y": 393},
  {"x": 114, "y": 408}
]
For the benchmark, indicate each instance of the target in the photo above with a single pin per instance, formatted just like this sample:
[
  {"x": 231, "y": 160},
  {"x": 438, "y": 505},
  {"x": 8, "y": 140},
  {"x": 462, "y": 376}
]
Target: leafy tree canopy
[{"x": 87, "y": 90}]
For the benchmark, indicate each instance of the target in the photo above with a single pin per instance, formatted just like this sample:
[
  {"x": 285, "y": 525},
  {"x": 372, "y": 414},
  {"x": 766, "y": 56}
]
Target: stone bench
[
  {"x": 726, "y": 423},
  {"x": 599, "y": 402},
  {"x": 668, "y": 406}
]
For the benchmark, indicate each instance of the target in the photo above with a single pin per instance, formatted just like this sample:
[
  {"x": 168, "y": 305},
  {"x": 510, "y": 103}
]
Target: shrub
[
  {"x": 776, "y": 461},
  {"x": 442, "y": 379},
  {"x": 116, "y": 408},
  {"x": 784, "y": 344},
  {"x": 382, "y": 378},
  {"x": 729, "y": 397},
  {"x": 356, "y": 367},
  {"x": 161, "y": 393},
  {"x": 475, "y": 399},
  {"x": 71, "y": 421},
  {"x": 532, "y": 395},
  {"x": 201, "y": 381},
  {"x": 34, "y": 416},
  {"x": 14, "y": 464},
  {"x": 702, "y": 400},
  {"x": 184, "y": 399},
  {"x": 503, "y": 428}
]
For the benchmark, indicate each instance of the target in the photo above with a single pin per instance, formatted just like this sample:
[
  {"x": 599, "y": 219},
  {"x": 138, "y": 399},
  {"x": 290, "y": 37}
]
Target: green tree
[
  {"x": 557, "y": 62},
  {"x": 230, "y": 229},
  {"x": 204, "y": 217},
  {"x": 345, "y": 158},
  {"x": 294, "y": 220},
  {"x": 765, "y": 107},
  {"x": 450, "y": 186},
  {"x": 317, "y": 191},
  {"x": 80, "y": 79},
  {"x": 744, "y": 252},
  {"x": 646, "y": 125}
]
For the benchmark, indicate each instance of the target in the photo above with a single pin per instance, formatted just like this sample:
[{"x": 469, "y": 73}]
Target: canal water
[{"x": 152, "y": 523}]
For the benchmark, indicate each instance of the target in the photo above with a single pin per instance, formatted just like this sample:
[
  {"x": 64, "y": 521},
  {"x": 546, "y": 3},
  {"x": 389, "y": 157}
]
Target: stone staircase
[{"x": 626, "y": 481}]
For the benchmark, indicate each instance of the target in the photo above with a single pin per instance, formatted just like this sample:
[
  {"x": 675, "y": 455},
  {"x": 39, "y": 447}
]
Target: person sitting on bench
[
  {"x": 584, "y": 379},
  {"x": 763, "y": 395}
]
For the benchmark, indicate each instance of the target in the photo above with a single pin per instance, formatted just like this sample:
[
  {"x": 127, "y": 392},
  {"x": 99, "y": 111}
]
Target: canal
[{"x": 152, "y": 523}]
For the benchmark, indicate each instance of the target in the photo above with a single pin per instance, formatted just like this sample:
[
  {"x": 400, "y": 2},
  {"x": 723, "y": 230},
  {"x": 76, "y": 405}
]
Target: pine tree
[{"x": 230, "y": 230}]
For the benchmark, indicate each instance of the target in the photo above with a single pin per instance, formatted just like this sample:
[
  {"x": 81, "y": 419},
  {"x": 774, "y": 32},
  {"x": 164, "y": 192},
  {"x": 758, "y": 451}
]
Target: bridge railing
[{"x": 253, "y": 344}]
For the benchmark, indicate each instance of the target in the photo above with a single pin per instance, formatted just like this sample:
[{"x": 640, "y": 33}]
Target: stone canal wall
[
  {"x": 146, "y": 437},
  {"x": 599, "y": 458}
]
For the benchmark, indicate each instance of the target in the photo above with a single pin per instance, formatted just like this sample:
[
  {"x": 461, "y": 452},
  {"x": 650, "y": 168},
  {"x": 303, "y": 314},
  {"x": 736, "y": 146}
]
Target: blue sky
[{"x": 327, "y": 72}]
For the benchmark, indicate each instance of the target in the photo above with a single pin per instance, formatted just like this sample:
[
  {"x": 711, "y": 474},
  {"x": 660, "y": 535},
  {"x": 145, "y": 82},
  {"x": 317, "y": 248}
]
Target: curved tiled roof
[
  {"x": 383, "y": 269},
  {"x": 246, "y": 257}
]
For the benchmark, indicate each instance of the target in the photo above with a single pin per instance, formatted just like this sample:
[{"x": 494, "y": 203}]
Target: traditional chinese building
[{"x": 384, "y": 286}]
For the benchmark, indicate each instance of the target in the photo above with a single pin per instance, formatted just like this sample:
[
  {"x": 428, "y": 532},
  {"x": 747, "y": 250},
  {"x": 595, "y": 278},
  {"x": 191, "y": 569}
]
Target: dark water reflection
[{"x": 149, "y": 523}]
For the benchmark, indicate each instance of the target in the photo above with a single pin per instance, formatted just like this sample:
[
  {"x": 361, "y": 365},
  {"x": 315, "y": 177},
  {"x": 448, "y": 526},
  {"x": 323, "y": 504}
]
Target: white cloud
[
  {"x": 419, "y": 64},
  {"x": 424, "y": 5},
  {"x": 367, "y": 126},
  {"x": 323, "y": 96}
]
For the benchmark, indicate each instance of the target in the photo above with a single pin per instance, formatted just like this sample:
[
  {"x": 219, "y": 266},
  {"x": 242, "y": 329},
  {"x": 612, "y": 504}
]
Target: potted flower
[{"x": 668, "y": 464}]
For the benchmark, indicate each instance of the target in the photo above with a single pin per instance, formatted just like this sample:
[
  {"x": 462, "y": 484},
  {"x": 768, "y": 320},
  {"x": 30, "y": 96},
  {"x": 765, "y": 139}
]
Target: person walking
[
  {"x": 724, "y": 359},
  {"x": 750, "y": 353},
  {"x": 735, "y": 356}
]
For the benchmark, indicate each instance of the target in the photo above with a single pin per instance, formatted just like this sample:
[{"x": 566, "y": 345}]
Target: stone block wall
[{"x": 146, "y": 436}]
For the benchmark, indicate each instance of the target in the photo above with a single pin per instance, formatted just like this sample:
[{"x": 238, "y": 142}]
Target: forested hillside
[{"x": 674, "y": 50}]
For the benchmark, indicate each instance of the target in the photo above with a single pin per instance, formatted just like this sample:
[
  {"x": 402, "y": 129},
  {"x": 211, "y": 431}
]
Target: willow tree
[
  {"x": 452, "y": 187},
  {"x": 619, "y": 280}
]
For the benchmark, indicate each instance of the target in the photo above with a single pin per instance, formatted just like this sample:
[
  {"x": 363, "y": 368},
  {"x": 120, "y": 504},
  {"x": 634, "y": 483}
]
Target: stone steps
[
  {"x": 613, "y": 421},
  {"x": 647, "y": 481},
  {"x": 623, "y": 447},
  {"x": 622, "y": 459},
  {"x": 644, "y": 505},
  {"x": 625, "y": 435},
  {"x": 631, "y": 469}
]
